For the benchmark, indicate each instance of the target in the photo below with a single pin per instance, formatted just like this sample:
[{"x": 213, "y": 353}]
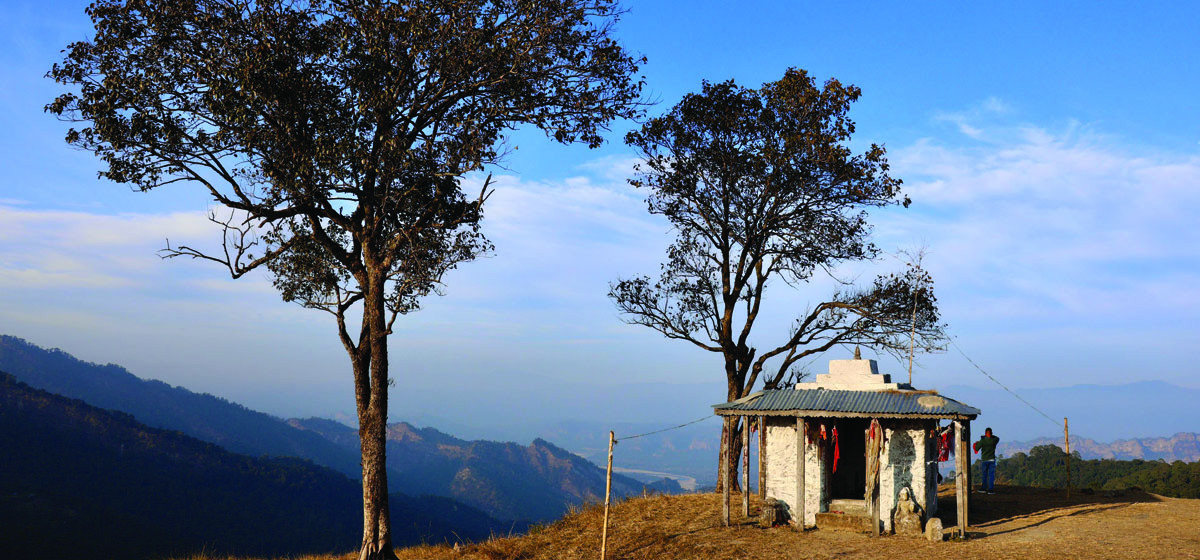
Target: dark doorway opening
[{"x": 849, "y": 482}]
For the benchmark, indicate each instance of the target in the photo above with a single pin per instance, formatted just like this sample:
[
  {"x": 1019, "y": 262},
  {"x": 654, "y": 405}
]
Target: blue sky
[{"x": 1052, "y": 155}]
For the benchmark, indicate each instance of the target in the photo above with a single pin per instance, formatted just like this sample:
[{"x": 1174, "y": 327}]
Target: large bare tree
[
  {"x": 760, "y": 187},
  {"x": 333, "y": 135}
]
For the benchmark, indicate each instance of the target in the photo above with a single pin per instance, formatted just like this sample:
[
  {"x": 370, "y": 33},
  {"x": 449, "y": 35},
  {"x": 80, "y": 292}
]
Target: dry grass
[{"x": 1017, "y": 523}]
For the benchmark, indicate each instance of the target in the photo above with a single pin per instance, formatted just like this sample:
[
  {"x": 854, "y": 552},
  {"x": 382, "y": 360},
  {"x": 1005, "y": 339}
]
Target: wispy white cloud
[
  {"x": 1063, "y": 228},
  {"x": 54, "y": 249},
  {"x": 1044, "y": 221}
]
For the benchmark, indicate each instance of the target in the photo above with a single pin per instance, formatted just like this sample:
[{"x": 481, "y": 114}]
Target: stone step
[
  {"x": 848, "y": 507},
  {"x": 834, "y": 521}
]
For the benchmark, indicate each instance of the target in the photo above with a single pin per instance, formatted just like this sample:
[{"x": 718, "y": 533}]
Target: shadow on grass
[{"x": 1012, "y": 504}]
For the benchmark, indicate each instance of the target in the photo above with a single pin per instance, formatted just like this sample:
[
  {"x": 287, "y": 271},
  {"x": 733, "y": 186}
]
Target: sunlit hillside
[{"x": 1025, "y": 523}]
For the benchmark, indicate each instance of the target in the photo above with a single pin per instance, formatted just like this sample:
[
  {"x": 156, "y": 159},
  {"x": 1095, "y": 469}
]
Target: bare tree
[
  {"x": 336, "y": 134},
  {"x": 759, "y": 186}
]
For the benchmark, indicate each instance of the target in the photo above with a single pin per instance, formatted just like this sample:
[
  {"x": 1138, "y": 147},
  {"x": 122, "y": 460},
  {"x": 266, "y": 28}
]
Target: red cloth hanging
[
  {"x": 944, "y": 446},
  {"x": 836, "y": 451}
]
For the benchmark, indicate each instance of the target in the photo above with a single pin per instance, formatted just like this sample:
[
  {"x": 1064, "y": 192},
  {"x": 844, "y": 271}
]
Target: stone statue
[{"x": 907, "y": 519}]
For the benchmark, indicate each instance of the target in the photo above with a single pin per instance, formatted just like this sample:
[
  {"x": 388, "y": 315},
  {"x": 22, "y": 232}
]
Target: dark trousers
[{"x": 989, "y": 475}]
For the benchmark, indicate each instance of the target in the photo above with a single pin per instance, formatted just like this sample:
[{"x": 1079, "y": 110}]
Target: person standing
[{"x": 986, "y": 447}]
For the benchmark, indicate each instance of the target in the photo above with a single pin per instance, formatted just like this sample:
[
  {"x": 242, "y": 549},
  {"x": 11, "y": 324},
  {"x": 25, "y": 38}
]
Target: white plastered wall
[
  {"x": 903, "y": 464},
  {"x": 781, "y": 468},
  {"x": 781, "y": 460}
]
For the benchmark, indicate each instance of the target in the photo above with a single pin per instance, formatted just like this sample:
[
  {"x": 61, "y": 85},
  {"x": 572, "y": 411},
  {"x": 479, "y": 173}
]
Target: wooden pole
[
  {"x": 726, "y": 436},
  {"x": 961, "y": 465},
  {"x": 762, "y": 457},
  {"x": 801, "y": 440},
  {"x": 912, "y": 338},
  {"x": 874, "y": 497},
  {"x": 746, "y": 466},
  {"x": 1067, "y": 439},
  {"x": 968, "y": 440},
  {"x": 612, "y": 438}
]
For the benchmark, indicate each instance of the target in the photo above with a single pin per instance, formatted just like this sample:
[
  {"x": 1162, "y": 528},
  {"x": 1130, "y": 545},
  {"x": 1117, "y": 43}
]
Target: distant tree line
[{"x": 1045, "y": 466}]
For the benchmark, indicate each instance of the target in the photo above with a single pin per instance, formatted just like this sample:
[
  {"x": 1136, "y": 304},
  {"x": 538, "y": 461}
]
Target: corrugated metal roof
[{"x": 915, "y": 403}]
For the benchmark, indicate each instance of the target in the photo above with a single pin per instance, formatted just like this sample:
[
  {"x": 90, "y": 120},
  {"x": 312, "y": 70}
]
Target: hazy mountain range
[
  {"x": 1182, "y": 446},
  {"x": 160, "y": 405},
  {"x": 76, "y": 479},
  {"x": 510, "y": 481},
  {"x": 1101, "y": 412},
  {"x": 507, "y": 481}
]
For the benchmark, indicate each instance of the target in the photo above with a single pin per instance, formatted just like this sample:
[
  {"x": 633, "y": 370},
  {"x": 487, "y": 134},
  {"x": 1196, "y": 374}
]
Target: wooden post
[
  {"x": 762, "y": 457},
  {"x": 746, "y": 466},
  {"x": 912, "y": 337},
  {"x": 801, "y": 441},
  {"x": 726, "y": 435},
  {"x": 968, "y": 440},
  {"x": 1067, "y": 439},
  {"x": 961, "y": 465},
  {"x": 874, "y": 497},
  {"x": 612, "y": 438}
]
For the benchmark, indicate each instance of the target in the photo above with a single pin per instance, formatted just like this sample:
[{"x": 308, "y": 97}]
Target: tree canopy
[
  {"x": 759, "y": 185},
  {"x": 334, "y": 137}
]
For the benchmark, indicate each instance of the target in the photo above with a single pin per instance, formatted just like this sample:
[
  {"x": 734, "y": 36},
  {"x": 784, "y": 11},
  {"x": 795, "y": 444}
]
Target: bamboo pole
[
  {"x": 746, "y": 466},
  {"x": 1067, "y": 439},
  {"x": 801, "y": 441},
  {"x": 612, "y": 438},
  {"x": 762, "y": 457},
  {"x": 726, "y": 436}
]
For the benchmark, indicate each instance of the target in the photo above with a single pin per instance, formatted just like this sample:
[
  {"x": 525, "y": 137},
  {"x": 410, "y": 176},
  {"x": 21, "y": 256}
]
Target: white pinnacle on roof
[{"x": 852, "y": 375}]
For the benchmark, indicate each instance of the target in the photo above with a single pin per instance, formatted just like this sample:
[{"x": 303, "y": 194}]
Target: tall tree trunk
[
  {"x": 372, "y": 426},
  {"x": 731, "y": 441},
  {"x": 731, "y": 444},
  {"x": 735, "y": 452}
]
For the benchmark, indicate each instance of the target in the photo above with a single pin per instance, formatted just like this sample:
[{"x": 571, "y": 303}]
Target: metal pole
[{"x": 612, "y": 438}]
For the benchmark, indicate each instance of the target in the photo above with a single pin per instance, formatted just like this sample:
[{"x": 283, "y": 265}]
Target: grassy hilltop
[{"x": 1018, "y": 523}]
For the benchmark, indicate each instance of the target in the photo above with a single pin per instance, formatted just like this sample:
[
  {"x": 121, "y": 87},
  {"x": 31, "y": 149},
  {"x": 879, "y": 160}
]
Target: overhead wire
[
  {"x": 997, "y": 382},
  {"x": 706, "y": 417}
]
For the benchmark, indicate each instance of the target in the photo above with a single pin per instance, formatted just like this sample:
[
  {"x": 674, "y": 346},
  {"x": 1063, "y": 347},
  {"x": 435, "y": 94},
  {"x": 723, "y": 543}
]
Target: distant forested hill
[
  {"x": 537, "y": 482},
  {"x": 160, "y": 405},
  {"x": 1045, "y": 466},
  {"x": 77, "y": 481}
]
